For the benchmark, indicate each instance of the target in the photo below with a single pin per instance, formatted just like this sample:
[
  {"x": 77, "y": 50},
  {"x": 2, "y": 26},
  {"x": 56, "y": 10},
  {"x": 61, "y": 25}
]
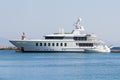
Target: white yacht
[{"x": 76, "y": 41}]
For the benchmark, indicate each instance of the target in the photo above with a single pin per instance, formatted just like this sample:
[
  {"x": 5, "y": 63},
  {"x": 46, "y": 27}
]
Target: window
[
  {"x": 86, "y": 44},
  {"x": 44, "y": 44},
  {"x": 53, "y": 44},
  {"x": 80, "y": 38},
  {"x": 80, "y": 44},
  {"x": 48, "y": 44},
  {"x": 54, "y": 37},
  {"x": 91, "y": 44},
  {"x": 65, "y": 44},
  {"x": 36, "y": 44},
  {"x": 61, "y": 44},
  {"x": 57, "y": 44},
  {"x": 40, "y": 44}
]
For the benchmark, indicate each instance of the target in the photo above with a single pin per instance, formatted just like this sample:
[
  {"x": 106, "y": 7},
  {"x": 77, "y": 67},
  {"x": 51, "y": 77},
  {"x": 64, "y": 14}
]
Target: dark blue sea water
[{"x": 59, "y": 66}]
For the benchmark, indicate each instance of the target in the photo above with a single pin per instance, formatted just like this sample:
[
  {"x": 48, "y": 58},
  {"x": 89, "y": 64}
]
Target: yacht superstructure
[{"x": 76, "y": 41}]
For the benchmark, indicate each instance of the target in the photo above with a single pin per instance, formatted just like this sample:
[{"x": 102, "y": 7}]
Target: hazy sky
[{"x": 40, "y": 17}]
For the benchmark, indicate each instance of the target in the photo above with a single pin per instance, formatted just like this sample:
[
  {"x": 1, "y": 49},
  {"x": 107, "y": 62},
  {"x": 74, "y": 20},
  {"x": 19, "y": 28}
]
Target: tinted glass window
[
  {"x": 54, "y": 37},
  {"x": 40, "y": 44},
  {"x": 53, "y": 44},
  {"x": 85, "y": 44},
  {"x": 80, "y": 38},
  {"x": 57, "y": 44},
  {"x": 48, "y": 44},
  {"x": 65, "y": 44},
  {"x": 36, "y": 44},
  {"x": 61, "y": 44},
  {"x": 44, "y": 44}
]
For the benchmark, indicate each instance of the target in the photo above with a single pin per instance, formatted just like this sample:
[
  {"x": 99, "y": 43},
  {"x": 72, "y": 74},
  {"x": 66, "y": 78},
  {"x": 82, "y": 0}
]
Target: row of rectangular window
[
  {"x": 54, "y": 37},
  {"x": 62, "y": 37},
  {"x": 80, "y": 38},
  {"x": 85, "y": 44},
  {"x": 52, "y": 44}
]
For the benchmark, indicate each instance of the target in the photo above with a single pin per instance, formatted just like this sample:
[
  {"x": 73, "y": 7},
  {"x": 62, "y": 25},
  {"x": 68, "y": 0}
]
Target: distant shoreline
[{"x": 8, "y": 48}]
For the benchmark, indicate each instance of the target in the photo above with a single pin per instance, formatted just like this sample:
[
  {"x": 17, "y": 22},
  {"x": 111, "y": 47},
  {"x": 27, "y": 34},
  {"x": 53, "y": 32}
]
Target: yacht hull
[
  {"x": 96, "y": 51},
  {"x": 30, "y": 46}
]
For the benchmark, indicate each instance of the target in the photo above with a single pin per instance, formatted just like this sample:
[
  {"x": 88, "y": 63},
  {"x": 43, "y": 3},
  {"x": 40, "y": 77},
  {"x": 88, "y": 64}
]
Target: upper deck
[{"x": 77, "y": 34}]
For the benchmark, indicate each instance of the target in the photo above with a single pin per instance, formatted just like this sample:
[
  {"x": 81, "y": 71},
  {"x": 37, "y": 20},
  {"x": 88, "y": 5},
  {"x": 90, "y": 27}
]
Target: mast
[
  {"x": 78, "y": 24},
  {"x": 78, "y": 28}
]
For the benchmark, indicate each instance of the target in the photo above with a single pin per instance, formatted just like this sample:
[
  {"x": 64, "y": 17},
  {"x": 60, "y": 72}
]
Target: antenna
[
  {"x": 77, "y": 24},
  {"x": 80, "y": 19}
]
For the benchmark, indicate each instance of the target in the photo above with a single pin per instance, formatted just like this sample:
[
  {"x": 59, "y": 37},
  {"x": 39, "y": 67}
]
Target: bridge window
[
  {"x": 54, "y": 37},
  {"x": 80, "y": 38}
]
